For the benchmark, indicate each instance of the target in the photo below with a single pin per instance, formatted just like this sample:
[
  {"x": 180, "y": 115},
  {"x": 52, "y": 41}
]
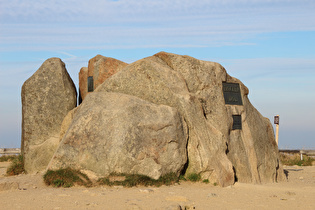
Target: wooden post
[
  {"x": 277, "y": 134},
  {"x": 277, "y": 128}
]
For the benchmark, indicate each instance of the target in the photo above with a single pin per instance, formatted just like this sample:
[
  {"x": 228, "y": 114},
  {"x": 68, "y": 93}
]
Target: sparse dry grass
[
  {"x": 6, "y": 158},
  {"x": 295, "y": 159},
  {"x": 17, "y": 166},
  {"x": 194, "y": 177},
  {"x": 130, "y": 180},
  {"x": 69, "y": 177},
  {"x": 66, "y": 178}
]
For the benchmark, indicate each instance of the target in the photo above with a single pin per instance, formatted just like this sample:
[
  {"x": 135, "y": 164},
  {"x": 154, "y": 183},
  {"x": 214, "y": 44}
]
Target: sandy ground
[{"x": 29, "y": 192}]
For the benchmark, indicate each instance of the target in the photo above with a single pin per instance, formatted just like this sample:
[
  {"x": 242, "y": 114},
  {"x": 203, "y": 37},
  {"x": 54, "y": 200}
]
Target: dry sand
[{"x": 29, "y": 192}]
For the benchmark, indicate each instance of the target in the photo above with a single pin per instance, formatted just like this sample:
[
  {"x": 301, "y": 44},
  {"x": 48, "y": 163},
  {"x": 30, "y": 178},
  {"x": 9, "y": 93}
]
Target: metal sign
[
  {"x": 90, "y": 84},
  {"x": 237, "y": 122},
  {"x": 232, "y": 93},
  {"x": 276, "y": 120}
]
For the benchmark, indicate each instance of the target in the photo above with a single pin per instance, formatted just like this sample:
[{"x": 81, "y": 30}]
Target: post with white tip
[{"x": 276, "y": 121}]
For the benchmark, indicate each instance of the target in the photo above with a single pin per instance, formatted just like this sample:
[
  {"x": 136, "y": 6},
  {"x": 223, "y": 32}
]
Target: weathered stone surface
[
  {"x": 114, "y": 132},
  {"x": 194, "y": 88},
  {"x": 100, "y": 68},
  {"x": 83, "y": 75},
  {"x": 47, "y": 96},
  {"x": 66, "y": 123}
]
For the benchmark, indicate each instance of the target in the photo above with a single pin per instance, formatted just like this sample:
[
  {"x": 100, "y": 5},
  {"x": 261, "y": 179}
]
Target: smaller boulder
[
  {"x": 83, "y": 89},
  {"x": 114, "y": 132},
  {"x": 47, "y": 96},
  {"x": 99, "y": 69}
]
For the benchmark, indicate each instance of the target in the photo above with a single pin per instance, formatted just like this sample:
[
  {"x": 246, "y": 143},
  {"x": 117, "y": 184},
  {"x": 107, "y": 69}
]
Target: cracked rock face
[
  {"x": 47, "y": 96},
  {"x": 115, "y": 132}
]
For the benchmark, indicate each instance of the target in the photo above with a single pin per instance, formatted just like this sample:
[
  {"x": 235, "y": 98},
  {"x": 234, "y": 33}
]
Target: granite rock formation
[
  {"x": 99, "y": 69},
  {"x": 47, "y": 96},
  {"x": 164, "y": 113},
  {"x": 118, "y": 133},
  {"x": 195, "y": 88}
]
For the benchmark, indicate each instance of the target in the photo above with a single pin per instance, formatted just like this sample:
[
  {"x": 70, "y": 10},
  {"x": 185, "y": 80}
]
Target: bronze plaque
[
  {"x": 90, "y": 84},
  {"x": 237, "y": 122},
  {"x": 232, "y": 93}
]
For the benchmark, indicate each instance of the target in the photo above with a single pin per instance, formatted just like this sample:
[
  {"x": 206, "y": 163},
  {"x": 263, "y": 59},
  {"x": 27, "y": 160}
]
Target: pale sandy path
[{"x": 297, "y": 193}]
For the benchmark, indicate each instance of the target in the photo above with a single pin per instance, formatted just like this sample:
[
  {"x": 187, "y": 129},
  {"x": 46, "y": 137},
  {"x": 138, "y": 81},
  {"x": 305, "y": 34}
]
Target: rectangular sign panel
[
  {"x": 232, "y": 93},
  {"x": 276, "y": 120},
  {"x": 237, "y": 122},
  {"x": 90, "y": 84}
]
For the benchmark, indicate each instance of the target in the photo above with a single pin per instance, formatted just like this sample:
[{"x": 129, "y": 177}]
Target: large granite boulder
[
  {"x": 47, "y": 96},
  {"x": 115, "y": 132},
  {"x": 228, "y": 138},
  {"x": 99, "y": 69}
]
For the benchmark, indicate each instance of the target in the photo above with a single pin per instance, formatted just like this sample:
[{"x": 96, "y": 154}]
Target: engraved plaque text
[{"x": 232, "y": 93}]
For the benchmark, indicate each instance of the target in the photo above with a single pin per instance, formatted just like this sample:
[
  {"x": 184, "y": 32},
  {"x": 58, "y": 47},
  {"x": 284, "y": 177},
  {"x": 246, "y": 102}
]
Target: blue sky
[{"x": 268, "y": 44}]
